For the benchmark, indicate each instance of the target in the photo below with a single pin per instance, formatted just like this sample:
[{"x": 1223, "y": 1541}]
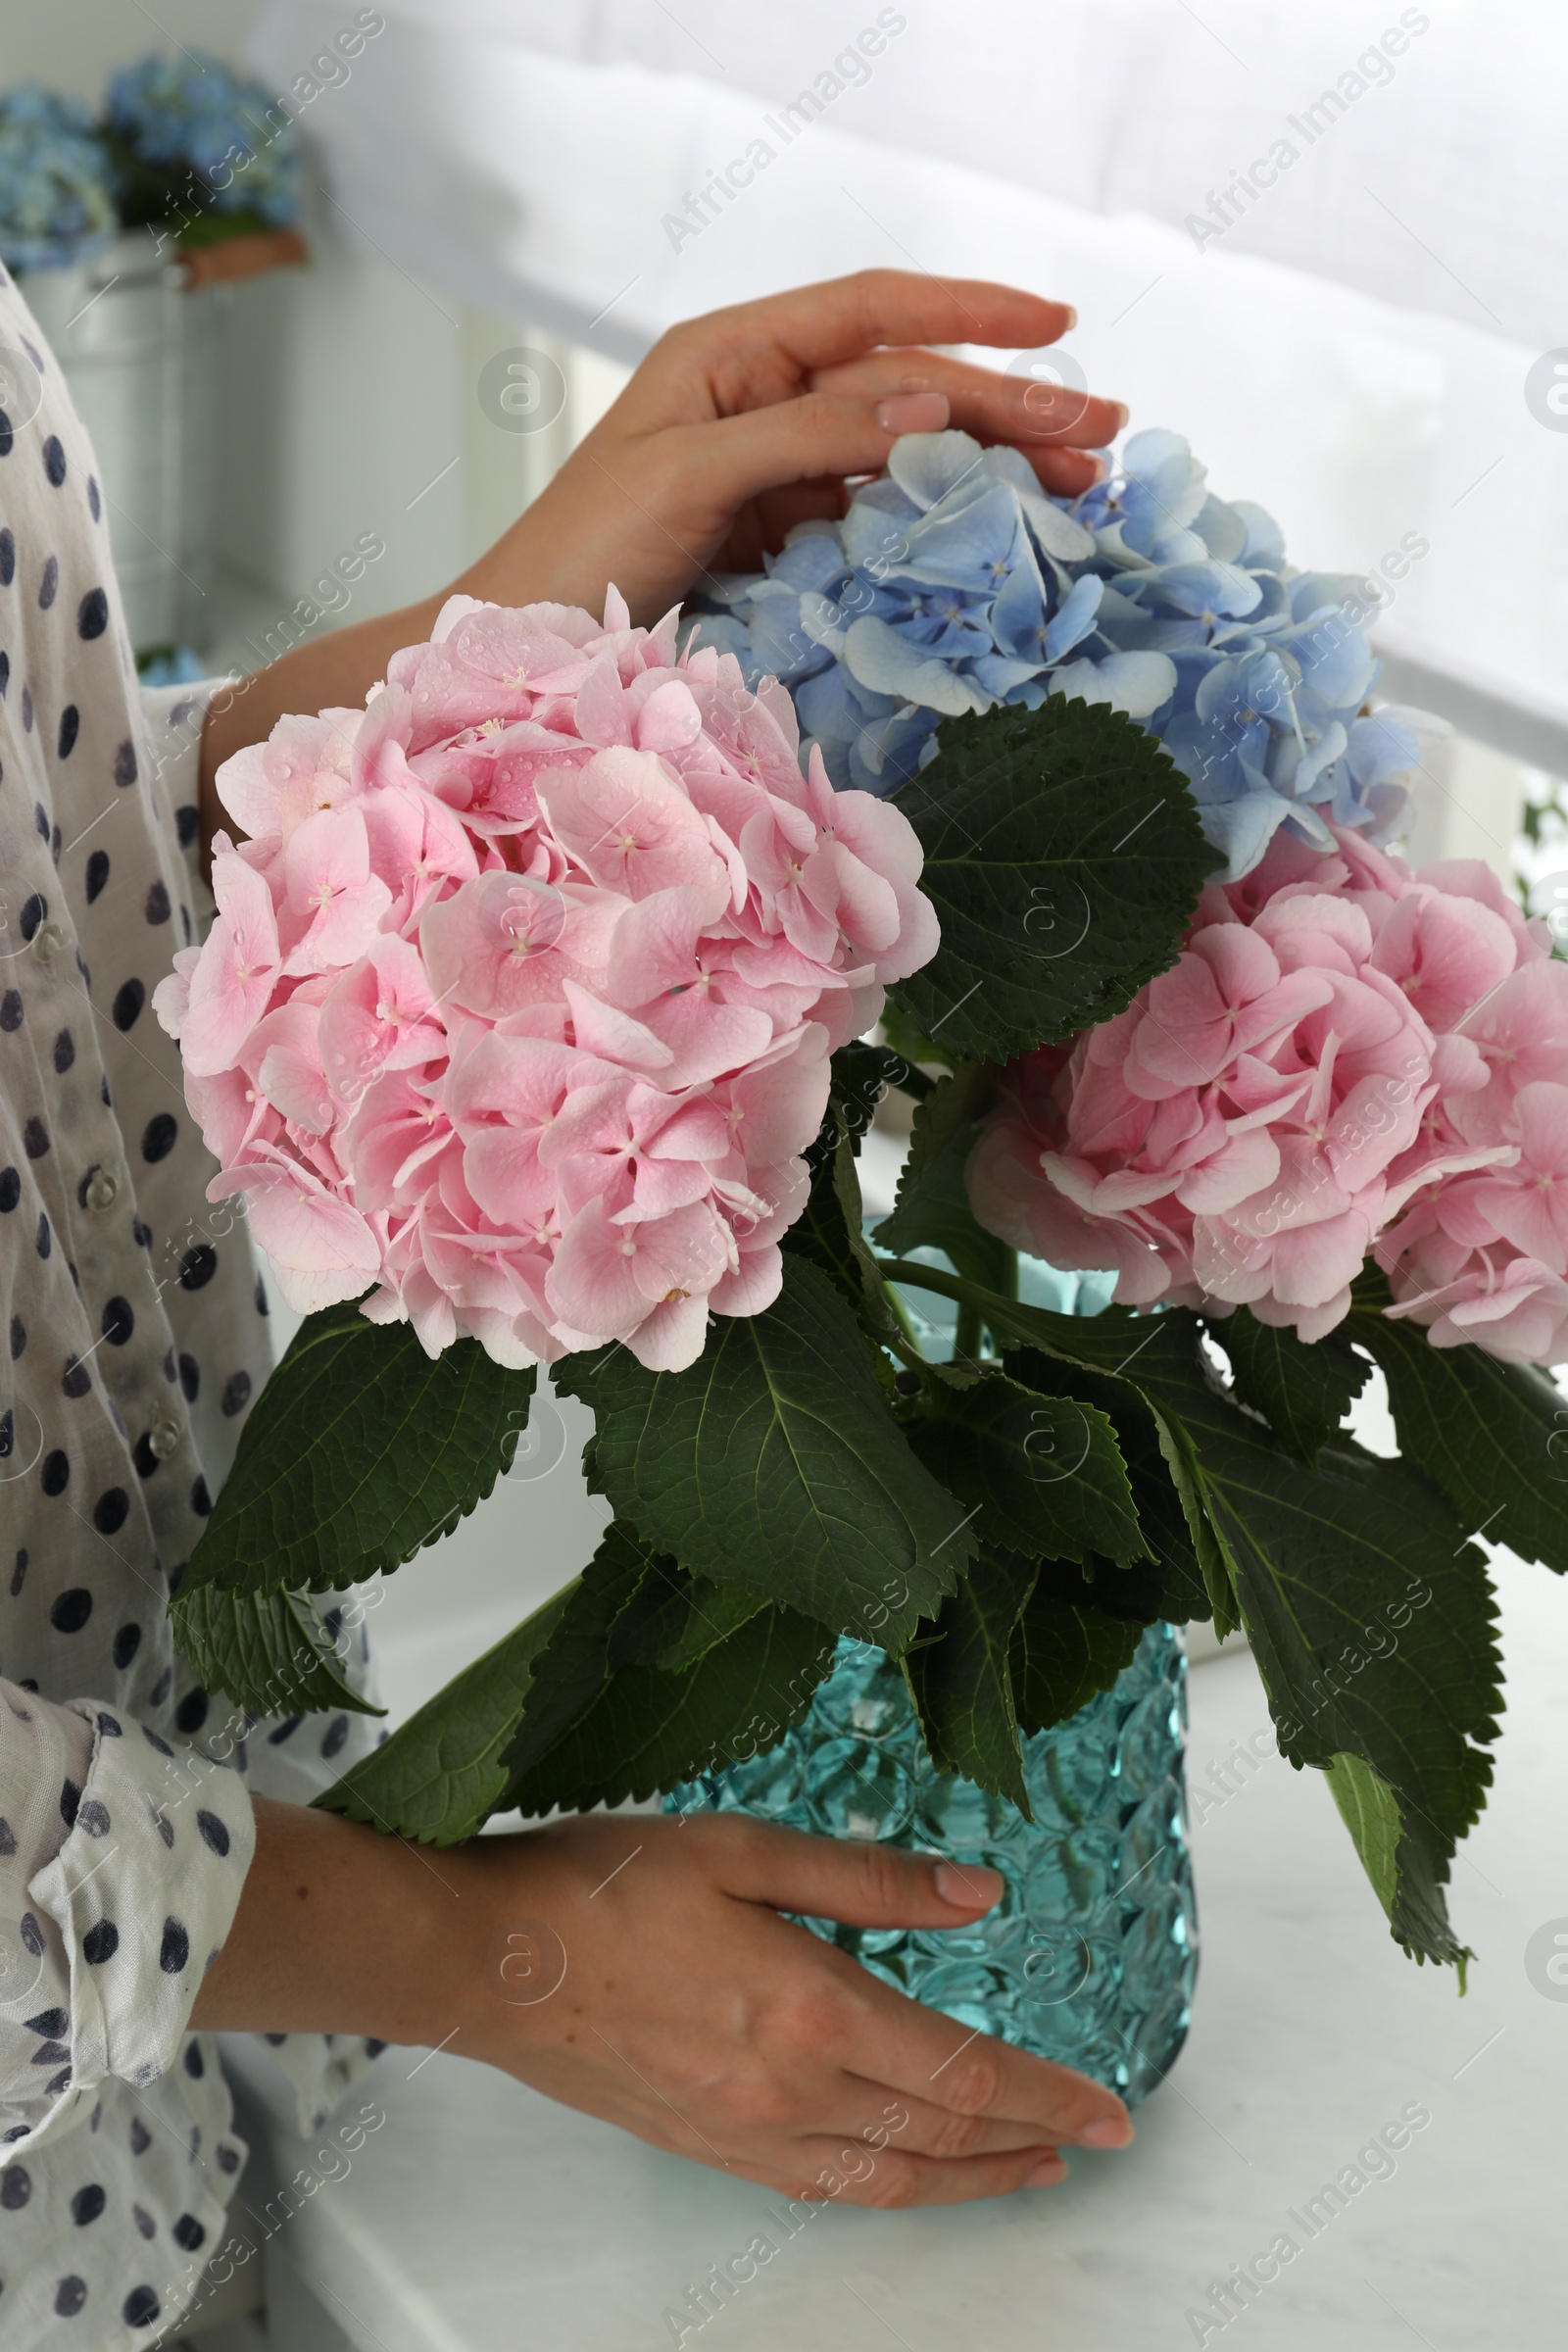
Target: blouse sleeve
[
  {"x": 175, "y": 717},
  {"x": 122, "y": 1859}
]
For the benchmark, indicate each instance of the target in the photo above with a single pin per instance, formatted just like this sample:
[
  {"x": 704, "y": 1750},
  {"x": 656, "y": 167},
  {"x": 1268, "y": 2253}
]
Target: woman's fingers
[
  {"x": 805, "y": 2104},
  {"x": 1028, "y": 409},
  {"x": 754, "y": 2117},
  {"x": 842, "y": 316},
  {"x": 747, "y": 422},
  {"x": 737, "y": 458},
  {"x": 861, "y": 2025},
  {"x": 922, "y": 2054},
  {"x": 921, "y": 2127},
  {"x": 822, "y": 435},
  {"x": 851, "y": 1878},
  {"x": 1066, "y": 471},
  {"x": 841, "y": 2172}
]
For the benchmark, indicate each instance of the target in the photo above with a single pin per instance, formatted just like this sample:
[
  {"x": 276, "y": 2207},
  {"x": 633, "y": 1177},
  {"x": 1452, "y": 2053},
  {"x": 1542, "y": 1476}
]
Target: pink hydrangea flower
[
  {"x": 1347, "y": 1060},
  {"x": 517, "y": 1009}
]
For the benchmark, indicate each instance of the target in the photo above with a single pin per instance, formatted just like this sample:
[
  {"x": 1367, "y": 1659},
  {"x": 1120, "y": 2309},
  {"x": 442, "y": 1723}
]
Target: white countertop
[{"x": 484, "y": 2216}]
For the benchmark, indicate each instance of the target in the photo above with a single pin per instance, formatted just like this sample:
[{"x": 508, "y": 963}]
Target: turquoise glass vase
[{"x": 1090, "y": 1957}]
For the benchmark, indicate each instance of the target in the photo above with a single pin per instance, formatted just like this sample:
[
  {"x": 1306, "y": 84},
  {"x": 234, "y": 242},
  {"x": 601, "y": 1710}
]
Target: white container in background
[{"x": 143, "y": 357}]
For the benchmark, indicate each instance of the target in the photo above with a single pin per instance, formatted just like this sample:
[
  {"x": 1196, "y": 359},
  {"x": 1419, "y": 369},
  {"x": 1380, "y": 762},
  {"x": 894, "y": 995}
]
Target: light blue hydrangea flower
[
  {"x": 175, "y": 122},
  {"x": 955, "y": 583},
  {"x": 56, "y": 202}
]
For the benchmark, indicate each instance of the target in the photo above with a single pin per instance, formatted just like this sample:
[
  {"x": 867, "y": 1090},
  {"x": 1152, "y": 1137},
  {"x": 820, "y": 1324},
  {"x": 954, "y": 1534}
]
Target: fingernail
[
  {"x": 968, "y": 1885},
  {"x": 1123, "y": 412},
  {"x": 913, "y": 413},
  {"x": 1113, "y": 2132},
  {"x": 1072, "y": 315},
  {"x": 1045, "y": 2174}
]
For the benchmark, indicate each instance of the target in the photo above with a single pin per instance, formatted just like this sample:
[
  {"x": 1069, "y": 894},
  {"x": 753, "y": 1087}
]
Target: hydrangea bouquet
[{"x": 535, "y": 1028}]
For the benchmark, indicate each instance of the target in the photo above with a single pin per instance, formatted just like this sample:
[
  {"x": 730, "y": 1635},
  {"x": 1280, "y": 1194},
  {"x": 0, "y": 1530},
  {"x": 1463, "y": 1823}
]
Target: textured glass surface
[{"x": 1090, "y": 1957}]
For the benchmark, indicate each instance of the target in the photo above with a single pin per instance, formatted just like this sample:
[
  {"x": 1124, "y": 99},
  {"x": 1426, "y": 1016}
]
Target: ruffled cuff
[
  {"x": 45, "y": 1759},
  {"x": 152, "y": 1847}
]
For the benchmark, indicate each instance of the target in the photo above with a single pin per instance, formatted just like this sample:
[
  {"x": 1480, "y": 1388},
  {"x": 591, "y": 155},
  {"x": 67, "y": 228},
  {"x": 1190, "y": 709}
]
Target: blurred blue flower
[
  {"x": 954, "y": 583},
  {"x": 188, "y": 133},
  {"x": 56, "y": 202}
]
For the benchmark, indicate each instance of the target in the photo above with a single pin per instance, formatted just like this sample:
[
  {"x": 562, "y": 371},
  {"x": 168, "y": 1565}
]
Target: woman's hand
[
  {"x": 742, "y": 423},
  {"x": 736, "y": 426},
  {"x": 693, "y": 2015},
  {"x": 636, "y": 1966}
]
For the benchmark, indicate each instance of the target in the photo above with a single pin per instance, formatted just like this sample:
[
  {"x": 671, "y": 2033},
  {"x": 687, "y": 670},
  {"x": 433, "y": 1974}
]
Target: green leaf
[
  {"x": 1492, "y": 1436},
  {"x": 627, "y": 1603},
  {"x": 1064, "y": 856},
  {"x": 648, "y": 1728},
  {"x": 630, "y": 1606},
  {"x": 1404, "y": 1858},
  {"x": 1120, "y": 1344},
  {"x": 1370, "y": 1811},
  {"x": 358, "y": 1449},
  {"x": 931, "y": 1208},
  {"x": 1133, "y": 1595},
  {"x": 1374, "y": 1632},
  {"x": 830, "y": 1232},
  {"x": 267, "y": 1651},
  {"x": 863, "y": 1075},
  {"x": 1045, "y": 1473},
  {"x": 1304, "y": 1392},
  {"x": 1064, "y": 1650},
  {"x": 1112, "y": 1344},
  {"x": 1213, "y": 1560},
  {"x": 907, "y": 1038},
  {"x": 1174, "y": 1588},
  {"x": 1373, "y": 1628},
  {"x": 962, "y": 1682},
  {"x": 713, "y": 1612},
  {"x": 774, "y": 1464},
  {"x": 441, "y": 1776},
  {"x": 496, "y": 1724}
]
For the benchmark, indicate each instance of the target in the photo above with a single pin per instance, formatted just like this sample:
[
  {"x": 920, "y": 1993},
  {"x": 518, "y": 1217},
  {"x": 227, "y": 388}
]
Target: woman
[{"x": 161, "y": 1873}]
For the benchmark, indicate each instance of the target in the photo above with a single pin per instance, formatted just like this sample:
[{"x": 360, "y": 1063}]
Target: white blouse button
[
  {"x": 103, "y": 1191},
  {"x": 47, "y": 942},
  {"x": 162, "y": 1437}
]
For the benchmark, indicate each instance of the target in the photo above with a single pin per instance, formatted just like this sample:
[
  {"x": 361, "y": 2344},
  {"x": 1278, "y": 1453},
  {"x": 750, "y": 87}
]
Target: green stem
[
  {"x": 911, "y": 1359},
  {"x": 971, "y": 1297},
  {"x": 908, "y": 1348},
  {"x": 911, "y": 1349},
  {"x": 977, "y": 1307}
]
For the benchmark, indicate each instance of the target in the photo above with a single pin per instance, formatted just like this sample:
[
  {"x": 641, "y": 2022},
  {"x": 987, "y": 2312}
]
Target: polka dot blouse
[{"x": 134, "y": 1339}]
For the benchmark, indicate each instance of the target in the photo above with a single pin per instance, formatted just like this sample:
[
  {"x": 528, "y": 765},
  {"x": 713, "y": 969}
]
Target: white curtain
[
  {"x": 1427, "y": 141},
  {"x": 1354, "y": 334}
]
